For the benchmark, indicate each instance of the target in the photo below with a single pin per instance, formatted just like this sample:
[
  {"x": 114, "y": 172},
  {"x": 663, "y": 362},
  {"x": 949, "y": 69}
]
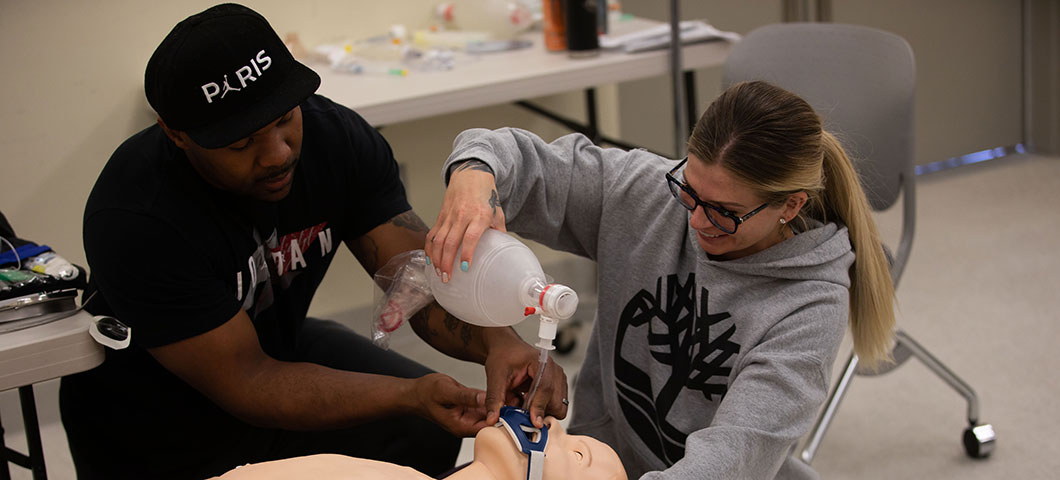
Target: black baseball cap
[{"x": 224, "y": 73}]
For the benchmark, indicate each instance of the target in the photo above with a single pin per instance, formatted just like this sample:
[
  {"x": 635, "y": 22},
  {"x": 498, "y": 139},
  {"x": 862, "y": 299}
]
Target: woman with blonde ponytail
[{"x": 726, "y": 279}]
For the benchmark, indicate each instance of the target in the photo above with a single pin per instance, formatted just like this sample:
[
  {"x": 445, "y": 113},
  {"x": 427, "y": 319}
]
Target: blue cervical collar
[{"x": 517, "y": 422}]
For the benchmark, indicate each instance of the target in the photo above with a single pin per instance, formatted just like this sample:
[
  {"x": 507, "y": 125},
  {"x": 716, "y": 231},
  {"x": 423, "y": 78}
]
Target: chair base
[{"x": 978, "y": 439}]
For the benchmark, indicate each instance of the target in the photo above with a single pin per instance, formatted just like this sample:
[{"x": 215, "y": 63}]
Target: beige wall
[
  {"x": 72, "y": 91},
  {"x": 1043, "y": 75},
  {"x": 968, "y": 60}
]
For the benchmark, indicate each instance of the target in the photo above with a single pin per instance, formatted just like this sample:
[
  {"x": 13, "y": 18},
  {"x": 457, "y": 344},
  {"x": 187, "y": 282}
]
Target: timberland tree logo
[
  {"x": 690, "y": 345},
  {"x": 243, "y": 76}
]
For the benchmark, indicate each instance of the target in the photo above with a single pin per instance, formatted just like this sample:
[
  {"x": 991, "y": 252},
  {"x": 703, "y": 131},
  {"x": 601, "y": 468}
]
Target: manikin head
[{"x": 566, "y": 456}]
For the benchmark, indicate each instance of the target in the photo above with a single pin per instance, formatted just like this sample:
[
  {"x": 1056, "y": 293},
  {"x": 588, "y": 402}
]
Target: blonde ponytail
[{"x": 871, "y": 287}]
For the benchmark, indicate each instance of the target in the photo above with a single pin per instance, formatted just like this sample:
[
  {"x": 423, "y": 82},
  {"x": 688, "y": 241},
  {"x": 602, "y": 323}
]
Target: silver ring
[{"x": 565, "y": 401}]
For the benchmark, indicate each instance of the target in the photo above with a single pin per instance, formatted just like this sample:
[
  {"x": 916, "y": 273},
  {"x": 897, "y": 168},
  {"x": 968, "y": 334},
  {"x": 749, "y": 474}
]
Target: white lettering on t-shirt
[
  {"x": 253, "y": 271},
  {"x": 325, "y": 242},
  {"x": 296, "y": 255}
]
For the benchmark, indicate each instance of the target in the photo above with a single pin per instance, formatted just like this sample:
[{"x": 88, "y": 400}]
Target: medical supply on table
[
  {"x": 529, "y": 439},
  {"x": 497, "y": 46},
  {"x": 454, "y": 39},
  {"x": 51, "y": 263},
  {"x": 502, "y": 19}
]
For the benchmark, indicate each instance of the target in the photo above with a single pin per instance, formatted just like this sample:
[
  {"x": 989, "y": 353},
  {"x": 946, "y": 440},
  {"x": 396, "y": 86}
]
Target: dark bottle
[{"x": 581, "y": 17}]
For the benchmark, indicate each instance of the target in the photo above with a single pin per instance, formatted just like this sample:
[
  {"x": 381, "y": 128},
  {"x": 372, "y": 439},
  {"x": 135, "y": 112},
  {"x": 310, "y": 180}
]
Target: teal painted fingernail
[
  {"x": 428, "y": 260},
  {"x": 463, "y": 266}
]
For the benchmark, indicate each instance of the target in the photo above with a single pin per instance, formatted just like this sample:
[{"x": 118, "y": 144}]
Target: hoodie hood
[{"x": 821, "y": 253}]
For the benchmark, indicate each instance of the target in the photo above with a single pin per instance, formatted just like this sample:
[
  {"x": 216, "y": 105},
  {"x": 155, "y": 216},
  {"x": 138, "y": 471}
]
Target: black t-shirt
[{"x": 173, "y": 257}]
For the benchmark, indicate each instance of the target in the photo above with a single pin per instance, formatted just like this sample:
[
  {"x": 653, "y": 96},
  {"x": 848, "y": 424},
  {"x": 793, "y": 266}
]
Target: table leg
[
  {"x": 690, "y": 99},
  {"x": 33, "y": 441},
  {"x": 590, "y": 114},
  {"x": 5, "y": 473}
]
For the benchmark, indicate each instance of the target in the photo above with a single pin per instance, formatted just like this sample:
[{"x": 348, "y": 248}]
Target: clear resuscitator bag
[{"x": 403, "y": 291}]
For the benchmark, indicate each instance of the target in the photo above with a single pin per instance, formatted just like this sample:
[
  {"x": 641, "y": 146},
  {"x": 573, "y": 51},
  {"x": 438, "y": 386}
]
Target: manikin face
[
  {"x": 260, "y": 166},
  {"x": 566, "y": 456},
  {"x": 715, "y": 185}
]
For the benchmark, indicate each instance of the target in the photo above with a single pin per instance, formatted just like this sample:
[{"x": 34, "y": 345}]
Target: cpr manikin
[{"x": 497, "y": 457}]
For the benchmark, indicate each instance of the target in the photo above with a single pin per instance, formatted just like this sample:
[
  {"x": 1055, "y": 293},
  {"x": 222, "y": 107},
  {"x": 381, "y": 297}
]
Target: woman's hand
[{"x": 470, "y": 206}]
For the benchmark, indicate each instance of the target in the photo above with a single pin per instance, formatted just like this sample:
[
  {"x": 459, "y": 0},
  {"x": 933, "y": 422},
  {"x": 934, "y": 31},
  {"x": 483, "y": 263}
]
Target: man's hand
[
  {"x": 511, "y": 366},
  {"x": 445, "y": 401}
]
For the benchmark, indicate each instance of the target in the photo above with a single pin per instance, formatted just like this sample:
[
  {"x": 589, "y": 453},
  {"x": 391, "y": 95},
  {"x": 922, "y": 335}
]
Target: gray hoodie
[{"x": 696, "y": 368}]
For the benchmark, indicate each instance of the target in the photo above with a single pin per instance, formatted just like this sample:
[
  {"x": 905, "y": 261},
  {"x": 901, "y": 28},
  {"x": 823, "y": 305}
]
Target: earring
[{"x": 782, "y": 221}]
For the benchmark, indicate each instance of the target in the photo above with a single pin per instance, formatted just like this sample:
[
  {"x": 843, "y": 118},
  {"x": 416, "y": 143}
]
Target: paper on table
[{"x": 692, "y": 31}]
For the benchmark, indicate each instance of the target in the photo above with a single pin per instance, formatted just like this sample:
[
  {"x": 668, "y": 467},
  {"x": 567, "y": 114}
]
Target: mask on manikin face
[{"x": 528, "y": 439}]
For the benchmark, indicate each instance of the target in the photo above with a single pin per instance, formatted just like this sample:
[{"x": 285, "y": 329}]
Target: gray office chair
[{"x": 861, "y": 81}]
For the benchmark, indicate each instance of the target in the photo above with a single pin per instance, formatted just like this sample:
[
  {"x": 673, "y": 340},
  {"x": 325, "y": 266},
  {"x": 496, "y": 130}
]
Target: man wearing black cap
[{"x": 208, "y": 234}]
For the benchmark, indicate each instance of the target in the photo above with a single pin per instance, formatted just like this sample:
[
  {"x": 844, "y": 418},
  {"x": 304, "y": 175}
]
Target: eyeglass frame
[{"x": 737, "y": 219}]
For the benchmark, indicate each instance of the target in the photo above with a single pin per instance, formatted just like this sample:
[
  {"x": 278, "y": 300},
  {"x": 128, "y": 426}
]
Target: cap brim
[{"x": 301, "y": 82}]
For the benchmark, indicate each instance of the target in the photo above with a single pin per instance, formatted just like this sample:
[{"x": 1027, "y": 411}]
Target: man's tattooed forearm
[
  {"x": 453, "y": 324},
  {"x": 421, "y": 324},
  {"x": 465, "y": 334},
  {"x": 369, "y": 253},
  {"x": 409, "y": 220}
]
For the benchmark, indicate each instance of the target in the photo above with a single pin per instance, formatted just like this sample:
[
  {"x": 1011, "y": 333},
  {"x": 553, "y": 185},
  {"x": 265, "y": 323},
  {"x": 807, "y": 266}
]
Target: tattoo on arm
[
  {"x": 369, "y": 253},
  {"x": 470, "y": 164},
  {"x": 422, "y": 326},
  {"x": 494, "y": 201},
  {"x": 410, "y": 221},
  {"x": 474, "y": 164},
  {"x": 454, "y": 327},
  {"x": 453, "y": 324}
]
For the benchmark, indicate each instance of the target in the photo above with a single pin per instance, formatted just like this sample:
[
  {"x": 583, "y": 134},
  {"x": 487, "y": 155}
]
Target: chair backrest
[{"x": 861, "y": 81}]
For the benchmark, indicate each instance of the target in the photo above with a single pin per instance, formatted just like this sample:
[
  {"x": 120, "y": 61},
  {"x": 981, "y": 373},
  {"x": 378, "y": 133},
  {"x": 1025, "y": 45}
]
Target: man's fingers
[
  {"x": 559, "y": 403},
  {"x": 496, "y": 394}
]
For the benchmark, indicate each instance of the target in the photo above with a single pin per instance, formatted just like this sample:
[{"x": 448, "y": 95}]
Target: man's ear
[{"x": 174, "y": 135}]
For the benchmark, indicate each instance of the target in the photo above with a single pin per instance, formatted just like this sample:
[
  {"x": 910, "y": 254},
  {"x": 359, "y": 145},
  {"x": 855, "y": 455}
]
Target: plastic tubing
[{"x": 543, "y": 360}]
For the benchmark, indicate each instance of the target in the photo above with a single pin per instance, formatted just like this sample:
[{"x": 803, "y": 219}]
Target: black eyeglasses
[{"x": 725, "y": 220}]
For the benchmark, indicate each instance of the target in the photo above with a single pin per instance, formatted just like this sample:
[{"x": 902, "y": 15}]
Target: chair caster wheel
[{"x": 979, "y": 441}]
